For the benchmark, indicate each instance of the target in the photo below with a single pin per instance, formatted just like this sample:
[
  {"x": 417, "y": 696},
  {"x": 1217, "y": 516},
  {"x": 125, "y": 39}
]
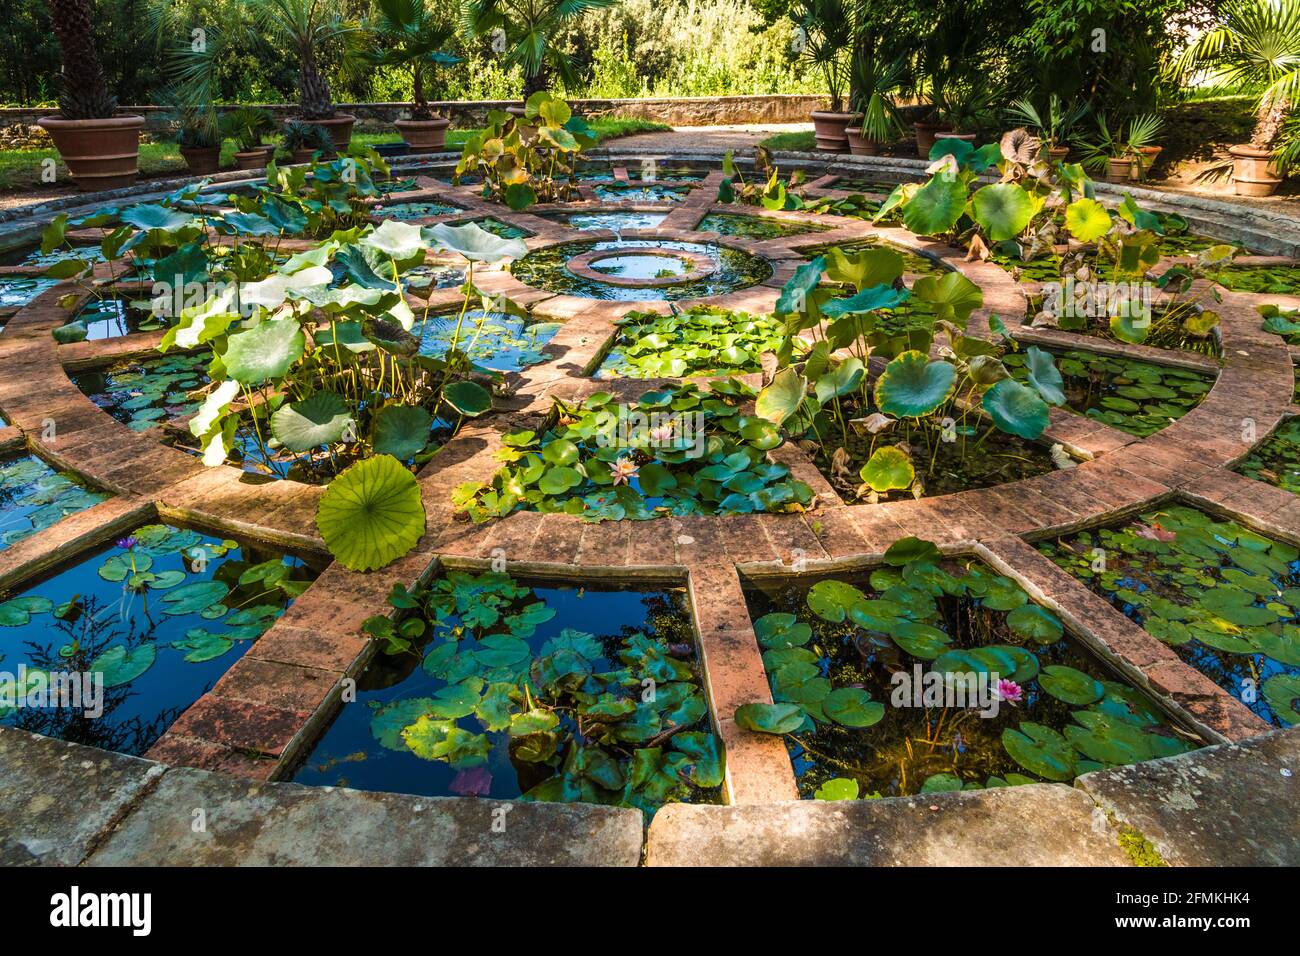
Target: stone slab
[
  {"x": 1032, "y": 825},
  {"x": 57, "y": 798},
  {"x": 286, "y": 824},
  {"x": 1230, "y": 805}
]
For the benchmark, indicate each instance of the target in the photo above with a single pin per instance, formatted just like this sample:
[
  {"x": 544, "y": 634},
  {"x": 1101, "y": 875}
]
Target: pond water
[
  {"x": 1136, "y": 397},
  {"x": 33, "y": 496},
  {"x": 503, "y": 229},
  {"x": 754, "y": 227},
  {"x": 161, "y": 614},
  {"x": 1277, "y": 460},
  {"x": 1278, "y": 279},
  {"x": 511, "y": 689},
  {"x": 615, "y": 221},
  {"x": 493, "y": 340},
  {"x": 546, "y": 269},
  {"x": 656, "y": 192},
  {"x": 1226, "y": 599},
  {"x": 697, "y": 341},
  {"x": 144, "y": 393},
  {"x": 644, "y": 266},
  {"x": 29, "y": 256},
  {"x": 20, "y": 290},
  {"x": 114, "y": 317},
  {"x": 413, "y": 210},
  {"x": 874, "y": 668}
]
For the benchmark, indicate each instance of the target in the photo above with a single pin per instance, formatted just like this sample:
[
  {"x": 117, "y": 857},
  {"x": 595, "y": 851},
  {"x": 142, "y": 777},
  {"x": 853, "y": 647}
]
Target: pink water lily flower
[
  {"x": 662, "y": 433},
  {"x": 624, "y": 470},
  {"x": 1010, "y": 691}
]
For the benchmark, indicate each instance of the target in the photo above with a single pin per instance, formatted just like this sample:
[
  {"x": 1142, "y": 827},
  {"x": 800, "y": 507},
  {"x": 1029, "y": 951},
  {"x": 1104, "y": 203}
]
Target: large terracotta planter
[
  {"x": 829, "y": 130},
  {"x": 859, "y": 145},
  {"x": 1253, "y": 171},
  {"x": 1143, "y": 163},
  {"x": 1119, "y": 170},
  {"x": 926, "y": 134},
  {"x": 254, "y": 158},
  {"x": 202, "y": 160},
  {"x": 339, "y": 128},
  {"x": 424, "y": 136},
  {"x": 300, "y": 157},
  {"x": 1057, "y": 154},
  {"x": 100, "y": 153}
]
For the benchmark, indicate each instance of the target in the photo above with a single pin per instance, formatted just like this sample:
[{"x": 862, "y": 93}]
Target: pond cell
[
  {"x": 509, "y": 689},
  {"x": 615, "y": 221},
  {"x": 114, "y": 317},
  {"x": 33, "y": 496},
  {"x": 1277, "y": 460},
  {"x": 141, "y": 394},
  {"x": 1136, "y": 397},
  {"x": 656, "y": 192},
  {"x": 158, "y": 616},
  {"x": 546, "y": 269},
  {"x": 934, "y": 676},
  {"x": 492, "y": 340},
  {"x": 1226, "y": 599},
  {"x": 754, "y": 227},
  {"x": 413, "y": 210}
]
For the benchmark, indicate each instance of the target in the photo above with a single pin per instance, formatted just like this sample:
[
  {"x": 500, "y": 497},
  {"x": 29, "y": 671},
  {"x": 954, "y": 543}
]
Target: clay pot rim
[
  {"x": 112, "y": 122},
  {"x": 436, "y": 121},
  {"x": 1246, "y": 151},
  {"x": 338, "y": 119},
  {"x": 834, "y": 115}
]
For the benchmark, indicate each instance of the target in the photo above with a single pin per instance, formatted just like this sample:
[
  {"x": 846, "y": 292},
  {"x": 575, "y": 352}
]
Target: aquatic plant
[
  {"x": 678, "y": 450},
  {"x": 698, "y": 341},
  {"x": 617, "y": 720},
  {"x": 865, "y": 684}
]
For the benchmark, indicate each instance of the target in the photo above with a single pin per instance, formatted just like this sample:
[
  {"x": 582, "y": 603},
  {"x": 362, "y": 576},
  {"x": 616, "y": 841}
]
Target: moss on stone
[{"x": 1138, "y": 848}]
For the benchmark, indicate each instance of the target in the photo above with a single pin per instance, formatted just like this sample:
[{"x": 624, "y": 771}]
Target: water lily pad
[
  {"x": 1036, "y": 623},
  {"x": 831, "y": 600},
  {"x": 322, "y": 419},
  {"x": 118, "y": 665},
  {"x": 1041, "y": 751},
  {"x": 781, "y": 630},
  {"x": 192, "y": 598},
  {"x": 852, "y": 707},
  {"x": 770, "y": 718},
  {"x": 1070, "y": 685},
  {"x": 1282, "y": 691}
]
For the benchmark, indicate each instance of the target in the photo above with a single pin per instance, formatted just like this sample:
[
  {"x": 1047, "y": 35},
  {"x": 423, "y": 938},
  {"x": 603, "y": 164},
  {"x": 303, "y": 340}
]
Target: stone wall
[{"x": 677, "y": 111}]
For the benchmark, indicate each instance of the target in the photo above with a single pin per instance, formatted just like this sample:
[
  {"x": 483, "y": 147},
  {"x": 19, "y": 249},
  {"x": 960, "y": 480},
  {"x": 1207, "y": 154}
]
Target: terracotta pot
[
  {"x": 202, "y": 160},
  {"x": 100, "y": 153},
  {"x": 860, "y": 145},
  {"x": 1119, "y": 170},
  {"x": 424, "y": 136},
  {"x": 829, "y": 129},
  {"x": 1057, "y": 154},
  {"x": 301, "y": 156},
  {"x": 926, "y": 135},
  {"x": 1253, "y": 171},
  {"x": 253, "y": 158},
  {"x": 1142, "y": 165},
  {"x": 339, "y": 128},
  {"x": 964, "y": 137}
]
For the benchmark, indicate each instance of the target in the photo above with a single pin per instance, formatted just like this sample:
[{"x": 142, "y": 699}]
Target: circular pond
[{"x": 640, "y": 269}]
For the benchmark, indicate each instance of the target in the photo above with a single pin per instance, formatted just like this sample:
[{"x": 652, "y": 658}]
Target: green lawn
[
  {"x": 21, "y": 168},
  {"x": 799, "y": 142}
]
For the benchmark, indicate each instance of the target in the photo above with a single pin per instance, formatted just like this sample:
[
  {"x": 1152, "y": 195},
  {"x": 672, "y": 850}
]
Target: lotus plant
[{"x": 842, "y": 306}]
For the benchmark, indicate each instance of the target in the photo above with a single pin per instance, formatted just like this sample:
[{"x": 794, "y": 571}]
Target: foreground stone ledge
[
  {"x": 56, "y": 798},
  {"x": 1230, "y": 805},
  {"x": 1032, "y": 825},
  {"x": 286, "y": 824}
]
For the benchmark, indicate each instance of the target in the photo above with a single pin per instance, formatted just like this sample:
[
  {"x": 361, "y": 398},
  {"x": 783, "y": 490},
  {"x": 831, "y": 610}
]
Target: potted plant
[
  {"x": 875, "y": 86},
  {"x": 190, "y": 99},
  {"x": 1256, "y": 46},
  {"x": 100, "y": 148},
  {"x": 306, "y": 29},
  {"x": 532, "y": 30},
  {"x": 827, "y": 36},
  {"x": 198, "y": 134},
  {"x": 409, "y": 34},
  {"x": 1116, "y": 153},
  {"x": 247, "y": 126},
  {"x": 1053, "y": 131},
  {"x": 304, "y": 140},
  {"x": 963, "y": 107}
]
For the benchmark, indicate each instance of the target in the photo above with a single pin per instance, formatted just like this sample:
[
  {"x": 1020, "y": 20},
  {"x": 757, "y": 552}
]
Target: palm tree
[
  {"x": 84, "y": 94},
  {"x": 306, "y": 29},
  {"x": 1256, "y": 44},
  {"x": 410, "y": 34},
  {"x": 531, "y": 28}
]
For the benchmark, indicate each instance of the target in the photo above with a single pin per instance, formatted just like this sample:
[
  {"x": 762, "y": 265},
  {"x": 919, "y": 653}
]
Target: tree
[
  {"x": 530, "y": 29},
  {"x": 409, "y": 34},
  {"x": 84, "y": 92},
  {"x": 307, "y": 29}
]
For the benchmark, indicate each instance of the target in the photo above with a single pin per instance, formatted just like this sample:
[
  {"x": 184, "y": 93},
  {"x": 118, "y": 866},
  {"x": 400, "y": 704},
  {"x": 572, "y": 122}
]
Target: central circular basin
[
  {"x": 640, "y": 269},
  {"x": 653, "y": 267}
]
